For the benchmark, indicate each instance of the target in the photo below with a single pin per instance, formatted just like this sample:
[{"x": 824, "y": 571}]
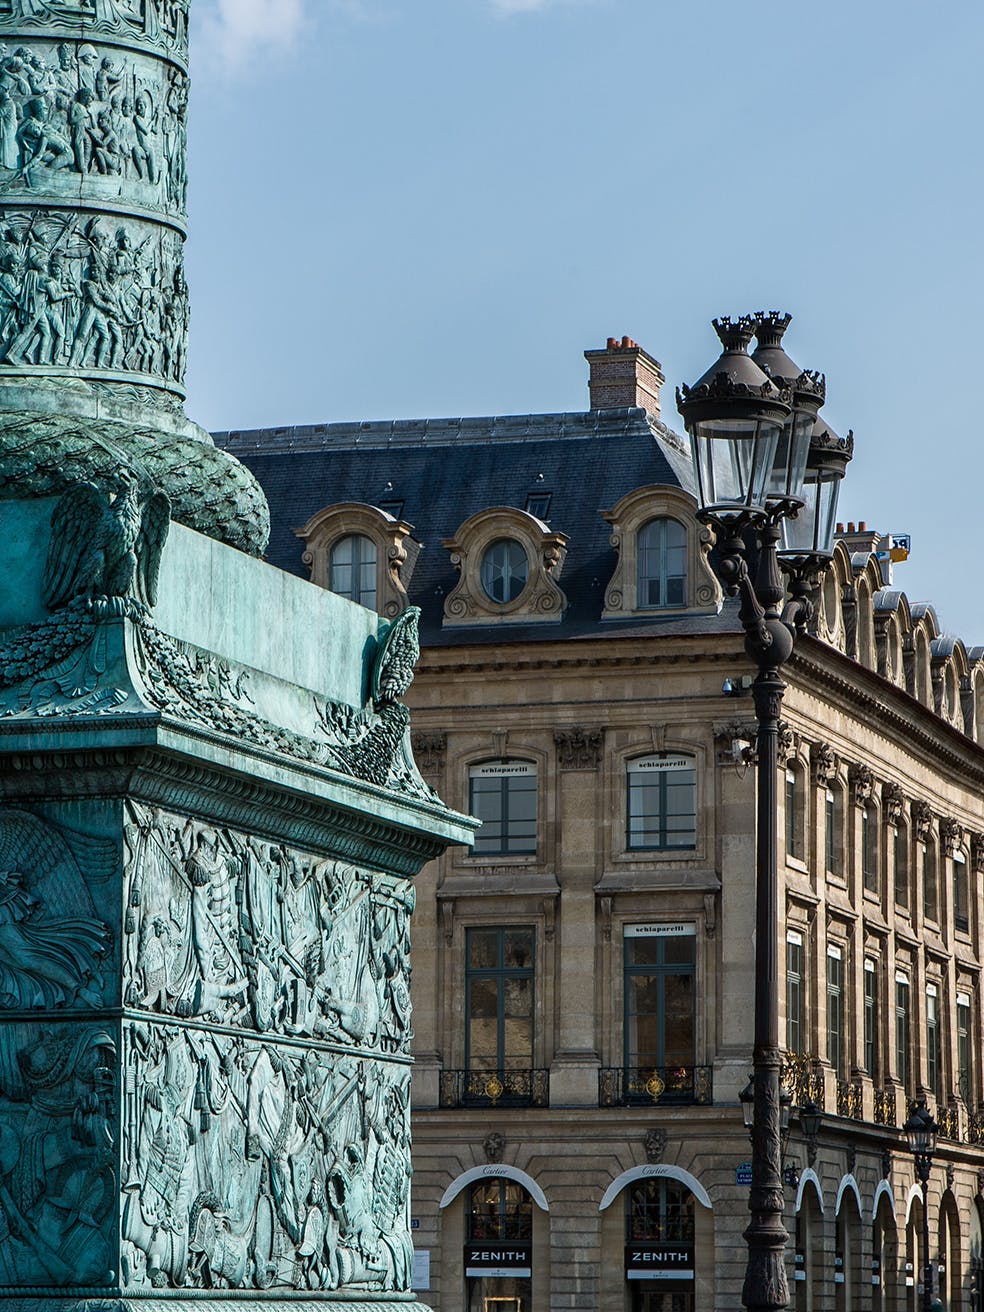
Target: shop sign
[
  {"x": 660, "y": 764},
  {"x": 659, "y": 1261},
  {"x": 668, "y": 929},
  {"x": 509, "y": 1258},
  {"x": 503, "y": 770}
]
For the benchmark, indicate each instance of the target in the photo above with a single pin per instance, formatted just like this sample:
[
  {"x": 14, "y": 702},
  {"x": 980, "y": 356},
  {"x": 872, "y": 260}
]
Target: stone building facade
[{"x": 584, "y": 975}]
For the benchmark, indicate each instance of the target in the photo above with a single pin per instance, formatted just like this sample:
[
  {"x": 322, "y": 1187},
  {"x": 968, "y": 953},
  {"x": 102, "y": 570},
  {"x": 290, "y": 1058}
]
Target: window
[
  {"x": 900, "y": 866},
  {"x": 902, "y": 1033},
  {"x": 499, "y": 999},
  {"x": 833, "y": 825},
  {"x": 931, "y": 909},
  {"x": 932, "y": 1039},
  {"x": 662, "y": 800},
  {"x": 660, "y": 1211},
  {"x": 795, "y": 1029},
  {"x": 352, "y": 569},
  {"x": 869, "y": 850},
  {"x": 794, "y": 847},
  {"x": 871, "y": 1063},
  {"x": 538, "y": 504},
  {"x": 659, "y": 1004},
  {"x": 499, "y": 1210},
  {"x": 961, "y": 917},
  {"x": 835, "y": 1009},
  {"x": 662, "y": 565},
  {"x": 505, "y": 570},
  {"x": 965, "y": 1077},
  {"x": 502, "y": 794}
]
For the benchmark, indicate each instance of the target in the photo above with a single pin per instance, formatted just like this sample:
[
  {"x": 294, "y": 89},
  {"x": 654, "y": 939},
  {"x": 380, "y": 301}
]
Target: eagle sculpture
[{"x": 106, "y": 546}]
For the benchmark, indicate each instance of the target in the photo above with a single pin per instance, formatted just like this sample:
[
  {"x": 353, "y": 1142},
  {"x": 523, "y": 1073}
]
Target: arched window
[
  {"x": 834, "y": 831},
  {"x": 794, "y": 801},
  {"x": 502, "y": 794},
  {"x": 499, "y": 1256},
  {"x": 659, "y": 1237},
  {"x": 662, "y": 565},
  {"x": 352, "y": 569},
  {"x": 662, "y": 802},
  {"x": 505, "y": 570}
]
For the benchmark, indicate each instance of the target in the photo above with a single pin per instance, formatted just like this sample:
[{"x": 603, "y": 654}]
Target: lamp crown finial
[
  {"x": 736, "y": 334},
  {"x": 771, "y": 327}
]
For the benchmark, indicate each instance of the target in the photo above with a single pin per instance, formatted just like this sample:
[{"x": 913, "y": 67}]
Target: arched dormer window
[
  {"x": 502, "y": 794},
  {"x": 362, "y": 553},
  {"x": 352, "y": 569},
  {"x": 661, "y": 556}
]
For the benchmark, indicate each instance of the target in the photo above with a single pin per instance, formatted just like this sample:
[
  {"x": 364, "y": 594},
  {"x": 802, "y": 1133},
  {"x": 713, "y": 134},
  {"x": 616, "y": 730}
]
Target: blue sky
[{"x": 432, "y": 207}]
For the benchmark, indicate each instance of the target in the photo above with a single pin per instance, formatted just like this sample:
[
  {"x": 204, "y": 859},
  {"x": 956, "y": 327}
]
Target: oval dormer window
[{"x": 505, "y": 571}]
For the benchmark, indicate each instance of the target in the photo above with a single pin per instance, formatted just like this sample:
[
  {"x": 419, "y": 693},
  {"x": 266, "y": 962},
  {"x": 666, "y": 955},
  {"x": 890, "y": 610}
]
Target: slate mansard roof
[{"x": 443, "y": 471}]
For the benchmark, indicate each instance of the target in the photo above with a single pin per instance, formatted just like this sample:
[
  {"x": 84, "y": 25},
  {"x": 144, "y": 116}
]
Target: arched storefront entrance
[
  {"x": 502, "y": 1214},
  {"x": 975, "y": 1292},
  {"x": 657, "y": 1242},
  {"x": 499, "y": 1243},
  {"x": 808, "y": 1273},
  {"x": 949, "y": 1269},
  {"x": 884, "y": 1252},
  {"x": 849, "y": 1292}
]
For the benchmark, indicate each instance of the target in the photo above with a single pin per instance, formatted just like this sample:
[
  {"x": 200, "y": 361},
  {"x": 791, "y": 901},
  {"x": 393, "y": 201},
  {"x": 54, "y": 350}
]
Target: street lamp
[
  {"x": 751, "y": 439},
  {"x": 920, "y": 1129}
]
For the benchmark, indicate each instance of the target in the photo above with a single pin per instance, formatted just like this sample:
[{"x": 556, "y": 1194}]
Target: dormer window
[
  {"x": 662, "y": 565},
  {"x": 662, "y": 556},
  {"x": 509, "y": 564},
  {"x": 362, "y": 553},
  {"x": 352, "y": 569},
  {"x": 505, "y": 571}
]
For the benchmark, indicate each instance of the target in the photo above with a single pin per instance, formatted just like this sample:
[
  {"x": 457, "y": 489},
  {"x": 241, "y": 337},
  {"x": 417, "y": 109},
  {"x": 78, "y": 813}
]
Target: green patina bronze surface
[
  {"x": 211, "y": 818},
  {"x": 94, "y": 308}
]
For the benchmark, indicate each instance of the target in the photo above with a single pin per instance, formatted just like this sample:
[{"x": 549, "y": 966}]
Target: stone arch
[
  {"x": 892, "y": 621},
  {"x": 925, "y": 630},
  {"x": 491, "y": 1171},
  {"x": 811, "y": 1261},
  {"x": 828, "y": 623},
  {"x": 885, "y": 1280},
  {"x": 849, "y": 1289},
  {"x": 950, "y": 1272},
  {"x": 667, "y": 1172},
  {"x": 865, "y": 650}
]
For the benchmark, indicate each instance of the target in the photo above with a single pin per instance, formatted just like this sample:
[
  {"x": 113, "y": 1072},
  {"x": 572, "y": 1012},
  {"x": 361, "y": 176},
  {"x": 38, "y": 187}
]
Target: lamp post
[
  {"x": 751, "y": 439},
  {"x": 920, "y": 1130}
]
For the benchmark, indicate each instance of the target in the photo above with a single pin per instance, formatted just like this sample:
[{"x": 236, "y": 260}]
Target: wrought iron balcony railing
[
  {"x": 802, "y": 1076},
  {"x": 949, "y": 1122},
  {"x": 665, "y": 1086},
  {"x": 886, "y": 1105},
  {"x": 975, "y": 1126},
  {"x": 519, "y": 1088},
  {"x": 849, "y": 1100}
]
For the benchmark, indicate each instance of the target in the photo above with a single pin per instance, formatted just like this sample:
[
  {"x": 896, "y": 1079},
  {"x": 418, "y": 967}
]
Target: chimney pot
[
  {"x": 850, "y": 526},
  {"x": 624, "y": 375},
  {"x": 839, "y": 529},
  {"x": 862, "y": 526}
]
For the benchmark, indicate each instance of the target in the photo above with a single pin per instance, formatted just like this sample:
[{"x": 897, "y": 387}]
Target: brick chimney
[{"x": 623, "y": 374}]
